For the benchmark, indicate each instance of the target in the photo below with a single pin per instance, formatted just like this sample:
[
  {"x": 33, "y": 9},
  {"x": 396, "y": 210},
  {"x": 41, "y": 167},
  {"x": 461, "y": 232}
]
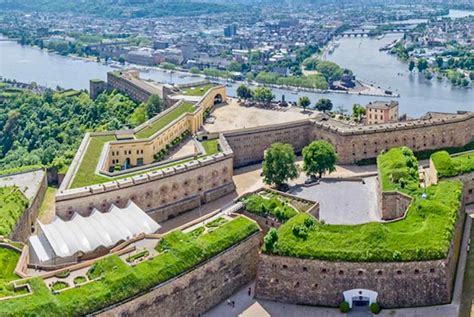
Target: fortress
[{"x": 186, "y": 156}]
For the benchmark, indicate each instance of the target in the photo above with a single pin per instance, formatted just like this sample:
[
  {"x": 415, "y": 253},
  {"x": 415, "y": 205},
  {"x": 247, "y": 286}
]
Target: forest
[{"x": 46, "y": 129}]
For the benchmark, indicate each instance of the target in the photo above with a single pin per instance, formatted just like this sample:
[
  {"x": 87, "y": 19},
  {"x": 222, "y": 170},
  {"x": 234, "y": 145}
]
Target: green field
[
  {"x": 12, "y": 205},
  {"x": 85, "y": 174},
  {"x": 179, "y": 253},
  {"x": 159, "y": 124},
  {"x": 449, "y": 166},
  {"x": 198, "y": 90},
  {"x": 424, "y": 234}
]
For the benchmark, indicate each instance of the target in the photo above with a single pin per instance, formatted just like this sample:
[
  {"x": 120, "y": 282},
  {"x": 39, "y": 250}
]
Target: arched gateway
[{"x": 359, "y": 297}]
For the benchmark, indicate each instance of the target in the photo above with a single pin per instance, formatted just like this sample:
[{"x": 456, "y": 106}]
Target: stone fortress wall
[
  {"x": 322, "y": 283},
  {"x": 198, "y": 290},
  {"x": 24, "y": 226},
  {"x": 164, "y": 193},
  {"x": 355, "y": 143},
  {"x": 249, "y": 145}
]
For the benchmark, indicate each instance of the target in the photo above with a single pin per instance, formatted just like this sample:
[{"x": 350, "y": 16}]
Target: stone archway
[{"x": 217, "y": 99}]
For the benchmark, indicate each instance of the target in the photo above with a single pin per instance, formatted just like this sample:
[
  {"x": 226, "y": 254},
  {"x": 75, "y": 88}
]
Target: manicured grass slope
[
  {"x": 448, "y": 166},
  {"x": 159, "y": 124},
  {"x": 119, "y": 281},
  {"x": 85, "y": 174},
  {"x": 12, "y": 205},
  {"x": 198, "y": 90},
  {"x": 425, "y": 233},
  {"x": 272, "y": 205}
]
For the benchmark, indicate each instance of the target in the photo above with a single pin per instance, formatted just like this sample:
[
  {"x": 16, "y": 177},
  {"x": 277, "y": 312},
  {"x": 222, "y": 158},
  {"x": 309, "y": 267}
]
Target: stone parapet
[{"x": 199, "y": 289}]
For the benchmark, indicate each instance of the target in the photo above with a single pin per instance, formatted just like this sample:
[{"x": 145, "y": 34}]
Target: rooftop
[{"x": 382, "y": 104}]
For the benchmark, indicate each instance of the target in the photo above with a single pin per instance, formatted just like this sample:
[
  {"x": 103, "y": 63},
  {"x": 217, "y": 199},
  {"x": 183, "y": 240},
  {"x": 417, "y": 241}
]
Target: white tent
[{"x": 61, "y": 241}]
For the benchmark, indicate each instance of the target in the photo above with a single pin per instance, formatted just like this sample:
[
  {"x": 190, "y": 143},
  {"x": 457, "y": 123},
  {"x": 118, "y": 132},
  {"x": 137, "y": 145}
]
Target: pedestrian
[
  {"x": 233, "y": 304},
  {"x": 229, "y": 302},
  {"x": 250, "y": 291}
]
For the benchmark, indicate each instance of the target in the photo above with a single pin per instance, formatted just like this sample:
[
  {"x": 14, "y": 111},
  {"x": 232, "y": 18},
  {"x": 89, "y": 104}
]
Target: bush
[
  {"x": 344, "y": 307},
  {"x": 375, "y": 308}
]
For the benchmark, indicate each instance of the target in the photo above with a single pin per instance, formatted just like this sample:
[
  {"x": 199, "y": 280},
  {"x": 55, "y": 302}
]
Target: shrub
[
  {"x": 375, "y": 308},
  {"x": 270, "y": 239},
  {"x": 344, "y": 307},
  {"x": 300, "y": 231}
]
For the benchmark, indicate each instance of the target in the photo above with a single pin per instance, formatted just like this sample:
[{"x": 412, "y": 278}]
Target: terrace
[
  {"x": 425, "y": 233},
  {"x": 199, "y": 90},
  {"x": 113, "y": 278},
  {"x": 163, "y": 121}
]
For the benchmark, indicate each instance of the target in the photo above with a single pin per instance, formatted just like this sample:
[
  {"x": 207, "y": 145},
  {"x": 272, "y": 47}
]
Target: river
[{"x": 361, "y": 55}]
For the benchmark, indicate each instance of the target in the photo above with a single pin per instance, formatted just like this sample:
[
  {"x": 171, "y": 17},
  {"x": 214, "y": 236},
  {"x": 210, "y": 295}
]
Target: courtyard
[
  {"x": 343, "y": 202},
  {"x": 232, "y": 116}
]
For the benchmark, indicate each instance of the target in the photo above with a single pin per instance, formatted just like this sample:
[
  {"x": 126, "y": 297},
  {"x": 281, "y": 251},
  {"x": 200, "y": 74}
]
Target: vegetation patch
[
  {"x": 79, "y": 280},
  {"x": 63, "y": 274},
  {"x": 85, "y": 174},
  {"x": 120, "y": 281},
  {"x": 398, "y": 170},
  {"x": 137, "y": 256},
  {"x": 8, "y": 261},
  {"x": 198, "y": 90},
  {"x": 59, "y": 285},
  {"x": 211, "y": 146},
  {"x": 216, "y": 222},
  {"x": 271, "y": 205},
  {"x": 12, "y": 205},
  {"x": 166, "y": 119},
  {"x": 424, "y": 234},
  {"x": 449, "y": 166}
]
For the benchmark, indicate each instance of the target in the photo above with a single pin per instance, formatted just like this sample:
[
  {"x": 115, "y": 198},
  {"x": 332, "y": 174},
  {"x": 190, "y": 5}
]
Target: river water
[{"x": 361, "y": 55}]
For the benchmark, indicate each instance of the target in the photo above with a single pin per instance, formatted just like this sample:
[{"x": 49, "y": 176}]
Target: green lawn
[
  {"x": 12, "y": 205},
  {"x": 198, "y": 90},
  {"x": 211, "y": 146},
  {"x": 8, "y": 260},
  {"x": 449, "y": 166},
  {"x": 165, "y": 120},
  {"x": 425, "y": 233},
  {"x": 85, "y": 174},
  {"x": 180, "y": 252}
]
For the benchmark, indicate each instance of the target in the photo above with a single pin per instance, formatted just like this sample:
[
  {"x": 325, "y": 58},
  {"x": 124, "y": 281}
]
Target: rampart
[
  {"x": 25, "y": 224},
  {"x": 163, "y": 193},
  {"x": 249, "y": 145},
  {"x": 322, "y": 283},
  {"x": 355, "y": 143},
  {"x": 199, "y": 289}
]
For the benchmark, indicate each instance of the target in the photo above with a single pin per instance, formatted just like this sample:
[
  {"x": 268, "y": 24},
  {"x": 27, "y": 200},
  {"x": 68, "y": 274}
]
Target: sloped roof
[{"x": 86, "y": 234}]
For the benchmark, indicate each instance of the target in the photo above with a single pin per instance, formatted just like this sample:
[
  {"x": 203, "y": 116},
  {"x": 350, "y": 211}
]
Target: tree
[
  {"x": 411, "y": 65},
  {"x": 263, "y": 94},
  {"x": 304, "y": 102},
  {"x": 324, "y": 104},
  {"x": 357, "y": 111},
  {"x": 194, "y": 70},
  {"x": 422, "y": 64},
  {"x": 318, "y": 158},
  {"x": 244, "y": 92},
  {"x": 279, "y": 164},
  {"x": 439, "y": 61},
  {"x": 153, "y": 105}
]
